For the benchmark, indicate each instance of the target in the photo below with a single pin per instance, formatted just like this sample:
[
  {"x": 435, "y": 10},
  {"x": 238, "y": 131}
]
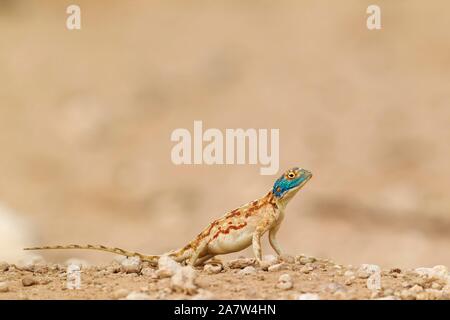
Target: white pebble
[
  {"x": 184, "y": 280},
  {"x": 167, "y": 267},
  {"x": 285, "y": 277},
  {"x": 271, "y": 259},
  {"x": 247, "y": 270},
  {"x": 212, "y": 268},
  {"x": 284, "y": 285},
  {"x": 284, "y": 282},
  {"x": 131, "y": 265}
]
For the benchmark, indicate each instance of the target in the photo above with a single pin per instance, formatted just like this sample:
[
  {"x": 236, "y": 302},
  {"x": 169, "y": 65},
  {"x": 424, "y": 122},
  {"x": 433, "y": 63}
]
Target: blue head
[{"x": 289, "y": 183}]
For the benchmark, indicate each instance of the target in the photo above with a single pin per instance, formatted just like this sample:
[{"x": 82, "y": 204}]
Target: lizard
[{"x": 234, "y": 231}]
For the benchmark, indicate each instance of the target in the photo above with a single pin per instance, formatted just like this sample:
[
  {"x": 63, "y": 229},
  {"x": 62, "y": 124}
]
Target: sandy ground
[{"x": 300, "y": 277}]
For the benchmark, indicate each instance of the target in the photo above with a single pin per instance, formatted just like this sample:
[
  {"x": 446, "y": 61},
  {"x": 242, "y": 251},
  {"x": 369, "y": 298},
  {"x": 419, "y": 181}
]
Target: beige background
[{"x": 86, "y": 117}]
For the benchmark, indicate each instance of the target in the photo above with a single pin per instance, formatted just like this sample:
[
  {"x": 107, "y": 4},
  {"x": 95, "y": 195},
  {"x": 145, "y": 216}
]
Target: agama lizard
[{"x": 235, "y": 231}]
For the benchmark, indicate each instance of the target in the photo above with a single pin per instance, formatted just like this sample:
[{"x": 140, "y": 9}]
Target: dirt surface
[{"x": 300, "y": 277}]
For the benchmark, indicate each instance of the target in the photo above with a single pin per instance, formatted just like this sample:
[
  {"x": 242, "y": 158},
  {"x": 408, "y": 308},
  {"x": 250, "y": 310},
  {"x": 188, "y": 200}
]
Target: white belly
[{"x": 234, "y": 240}]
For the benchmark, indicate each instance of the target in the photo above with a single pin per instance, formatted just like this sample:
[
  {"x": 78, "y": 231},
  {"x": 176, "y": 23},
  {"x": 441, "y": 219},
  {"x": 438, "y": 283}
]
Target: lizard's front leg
[
  {"x": 256, "y": 241},
  {"x": 273, "y": 240}
]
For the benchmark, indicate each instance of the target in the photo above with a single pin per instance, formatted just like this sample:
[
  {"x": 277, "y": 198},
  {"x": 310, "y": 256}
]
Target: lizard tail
[{"x": 152, "y": 259}]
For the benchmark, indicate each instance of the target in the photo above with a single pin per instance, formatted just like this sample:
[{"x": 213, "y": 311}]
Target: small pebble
[
  {"x": 305, "y": 260},
  {"x": 3, "y": 266},
  {"x": 212, "y": 268},
  {"x": 4, "y": 287},
  {"x": 28, "y": 281},
  {"x": 436, "y": 286},
  {"x": 395, "y": 270},
  {"x": 277, "y": 267},
  {"x": 240, "y": 263},
  {"x": 416, "y": 288},
  {"x": 131, "y": 265},
  {"x": 167, "y": 267},
  {"x": 184, "y": 280},
  {"x": 270, "y": 259},
  {"x": 306, "y": 269},
  {"x": 284, "y": 282},
  {"x": 247, "y": 270}
]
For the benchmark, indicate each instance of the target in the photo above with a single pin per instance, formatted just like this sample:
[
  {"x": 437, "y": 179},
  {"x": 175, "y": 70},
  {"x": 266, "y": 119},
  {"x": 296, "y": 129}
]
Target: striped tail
[{"x": 143, "y": 257}]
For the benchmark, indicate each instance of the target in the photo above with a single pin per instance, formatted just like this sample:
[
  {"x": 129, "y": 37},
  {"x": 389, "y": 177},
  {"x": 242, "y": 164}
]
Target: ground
[{"x": 297, "y": 277}]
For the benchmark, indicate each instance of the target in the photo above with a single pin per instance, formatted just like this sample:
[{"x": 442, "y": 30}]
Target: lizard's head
[{"x": 289, "y": 183}]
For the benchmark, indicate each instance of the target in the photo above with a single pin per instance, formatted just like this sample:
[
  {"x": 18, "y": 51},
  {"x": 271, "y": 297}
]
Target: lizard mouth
[{"x": 304, "y": 181}]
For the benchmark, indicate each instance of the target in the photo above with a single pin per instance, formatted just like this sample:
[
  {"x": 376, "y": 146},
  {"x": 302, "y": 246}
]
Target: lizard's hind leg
[
  {"x": 203, "y": 259},
  {"x": 198, "y": 252}
]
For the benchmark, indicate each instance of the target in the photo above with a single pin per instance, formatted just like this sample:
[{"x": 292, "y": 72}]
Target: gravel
[{"x": 316, "y": 278}]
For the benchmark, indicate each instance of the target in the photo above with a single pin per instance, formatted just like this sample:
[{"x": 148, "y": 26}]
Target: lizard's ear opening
[{"x": 278, "y": 188}]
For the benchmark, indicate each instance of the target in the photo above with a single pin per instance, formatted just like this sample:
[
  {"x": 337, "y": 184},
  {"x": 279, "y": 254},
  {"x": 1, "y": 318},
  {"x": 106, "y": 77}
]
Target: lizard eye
[{"x": 291, "y": 175}]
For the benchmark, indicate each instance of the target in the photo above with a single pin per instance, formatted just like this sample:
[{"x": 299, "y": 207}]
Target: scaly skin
[{"x": 235, "y": 231}]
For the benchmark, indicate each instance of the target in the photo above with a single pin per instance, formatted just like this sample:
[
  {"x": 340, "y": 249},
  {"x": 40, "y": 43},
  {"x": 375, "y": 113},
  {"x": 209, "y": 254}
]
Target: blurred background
[{"x": 86, "y": 118}]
